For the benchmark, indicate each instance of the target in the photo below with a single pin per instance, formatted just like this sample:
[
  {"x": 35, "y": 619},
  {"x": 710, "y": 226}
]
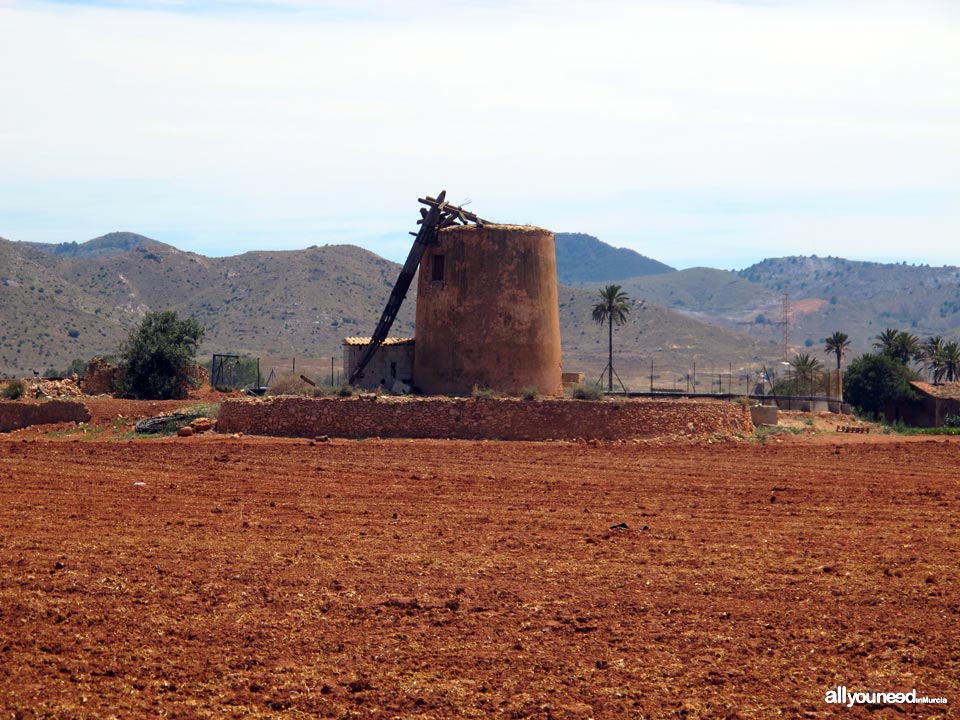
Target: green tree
[
  {"x": 886, "y": 340},
  {"x": 899, "y": 345},
  {"x": 874, "y": 380},
  {"x": 946, "y": 363},
  {"x": 838, "y": 344},
  {"x": 158, "y": 357},
  {"x": 612, "y": 308},
  {"x": 908, "y": 348},
  {"x": 77, "y": 366},
  {"x": 930, "y": 348},
  {"x": 806, "y": 372}
]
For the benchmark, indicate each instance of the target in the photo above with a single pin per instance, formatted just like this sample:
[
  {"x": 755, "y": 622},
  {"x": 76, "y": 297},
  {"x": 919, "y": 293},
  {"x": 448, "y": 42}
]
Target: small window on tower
[{"x": 436, "y": 270}]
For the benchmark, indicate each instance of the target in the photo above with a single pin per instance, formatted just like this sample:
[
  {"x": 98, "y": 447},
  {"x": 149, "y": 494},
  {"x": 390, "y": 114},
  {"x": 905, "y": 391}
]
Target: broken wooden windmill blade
[
  {"x": 438, "y": 200},
  {"x": 427, "y": 236},
  {"x": 454, "y": 214}
]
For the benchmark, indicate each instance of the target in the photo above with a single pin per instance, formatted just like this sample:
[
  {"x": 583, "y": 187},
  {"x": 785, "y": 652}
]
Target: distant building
[
  {"x": 935, "y": 404},
  {"x": 392, "y": 363}
]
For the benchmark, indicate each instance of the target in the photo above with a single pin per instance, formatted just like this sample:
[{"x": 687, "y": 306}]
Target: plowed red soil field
[{"x": 223, "y": 577}]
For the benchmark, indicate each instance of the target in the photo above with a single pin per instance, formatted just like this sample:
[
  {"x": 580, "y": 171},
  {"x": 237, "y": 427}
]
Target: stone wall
[
  {"x": 476, "y": 419},
  {"x": 99, "y": 378},
  {"x": 18, "y": 414}
]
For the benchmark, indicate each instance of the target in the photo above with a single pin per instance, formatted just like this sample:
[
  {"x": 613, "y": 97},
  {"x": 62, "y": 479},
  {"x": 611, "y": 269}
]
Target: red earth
[{"x": 225, "y": 577}]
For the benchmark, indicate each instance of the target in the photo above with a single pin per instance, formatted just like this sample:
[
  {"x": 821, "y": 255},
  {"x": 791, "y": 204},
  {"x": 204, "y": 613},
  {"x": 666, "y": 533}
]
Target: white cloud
[{"x": 335, "y": 115}]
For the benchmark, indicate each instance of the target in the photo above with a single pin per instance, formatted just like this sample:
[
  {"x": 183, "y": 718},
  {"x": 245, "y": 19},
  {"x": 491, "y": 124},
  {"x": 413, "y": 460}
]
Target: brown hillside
[
  {"x": 826, "y": 295},
  {"x": 673, "y": 341},
  {"x": 45, "y": 319},
  {"x": 277, "y": 305},
  {"x": 301, "y": 302}
]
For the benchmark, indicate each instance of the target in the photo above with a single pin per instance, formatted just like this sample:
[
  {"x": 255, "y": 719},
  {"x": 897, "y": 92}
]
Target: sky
[{"x": 697, "y": 132}]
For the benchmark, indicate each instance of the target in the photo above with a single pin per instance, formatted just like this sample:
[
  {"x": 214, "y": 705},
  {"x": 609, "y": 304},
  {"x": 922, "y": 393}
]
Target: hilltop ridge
[
  {"x": 584, "y": 258},
  {"x": 77, "y": 300}
]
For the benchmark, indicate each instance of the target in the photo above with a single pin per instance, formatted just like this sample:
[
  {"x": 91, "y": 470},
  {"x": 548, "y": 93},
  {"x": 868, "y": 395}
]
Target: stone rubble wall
[
  {"x": 47, "y": 388},
  {"x": 99, "y": 378},
  {"x": 18, "y": 414},
  {"x": 469, "y": 418}
]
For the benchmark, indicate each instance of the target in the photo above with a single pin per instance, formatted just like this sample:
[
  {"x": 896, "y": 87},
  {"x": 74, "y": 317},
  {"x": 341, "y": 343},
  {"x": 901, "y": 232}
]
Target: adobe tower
[{"x": 487, "y": 311}]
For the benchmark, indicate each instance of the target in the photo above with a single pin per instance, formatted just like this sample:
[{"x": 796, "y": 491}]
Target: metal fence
[{"x": 766, "y": 381}]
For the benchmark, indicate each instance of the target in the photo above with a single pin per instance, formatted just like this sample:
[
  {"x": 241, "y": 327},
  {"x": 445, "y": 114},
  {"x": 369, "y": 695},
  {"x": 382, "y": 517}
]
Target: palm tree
[
  {"x": 612, "y": 308},
  {"x": 907, "y": 348},
  {"x": 806, "y": 369},
  {"x": 837, "y": 344},
  {"x": 932, "y": 347},
  {"x": 886, "y": 341},
  {"x": 899, "y": 344},
  {"x": 947, "y": 363}
]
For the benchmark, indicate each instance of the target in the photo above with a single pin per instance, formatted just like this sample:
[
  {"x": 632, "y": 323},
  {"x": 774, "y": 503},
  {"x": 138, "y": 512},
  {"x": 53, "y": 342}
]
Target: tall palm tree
[
  {"x": 899, "y": 344},
  {"x": 947, "y": 362},
  {"x": 907, "y": 347},
  {"x": 612, "y": 308},
  {"x": 837, "y": 344},
  {"x": 806, "y": 370},
  {"x": 886, "y": 340},
  {"x": 932, "y": 347}
]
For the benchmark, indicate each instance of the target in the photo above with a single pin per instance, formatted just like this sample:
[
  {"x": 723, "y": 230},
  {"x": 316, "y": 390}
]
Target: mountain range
[{"x": 79, "y": 300}]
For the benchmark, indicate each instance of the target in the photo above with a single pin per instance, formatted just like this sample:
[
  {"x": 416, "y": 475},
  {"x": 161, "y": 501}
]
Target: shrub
[
  {"x": 952, "y": 421},
  {"x": 288, "y": 385},
  {"x": 345, "y": 391},
  {"x": 13, "y": 390},
  {"x": 529, "y": 393},
  {"x": 158, "y": 358},
  {"x": 588, "y": 391},
  {"x": 208, "y": 410},
  {"x": 764, "y": 431},
  {"x": 77, "y": 367},
  {"x": 483, "y": 393}
]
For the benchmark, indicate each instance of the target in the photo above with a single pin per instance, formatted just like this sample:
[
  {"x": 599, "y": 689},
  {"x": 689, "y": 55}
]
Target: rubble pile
[{"x": 53, "y": 387}]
